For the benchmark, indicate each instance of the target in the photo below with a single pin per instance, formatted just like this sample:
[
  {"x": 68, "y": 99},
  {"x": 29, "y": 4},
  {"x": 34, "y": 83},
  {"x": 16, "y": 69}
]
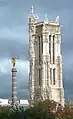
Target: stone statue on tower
[{"x": 13, "y": 61}]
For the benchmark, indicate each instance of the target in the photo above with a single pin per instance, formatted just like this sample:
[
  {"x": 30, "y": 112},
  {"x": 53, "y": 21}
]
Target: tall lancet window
[
  {"x": 39, "y": 76},
  {"x": 53, "y": 49},
  {"x": 54, "y": 76},
  {"x": 39, "y": 48},
  {"x": 51, "y": 76},
  {"x": 47, "y": 71},
  {"x": 50, "y": 47},
  {"x": 42, "y": 44}
]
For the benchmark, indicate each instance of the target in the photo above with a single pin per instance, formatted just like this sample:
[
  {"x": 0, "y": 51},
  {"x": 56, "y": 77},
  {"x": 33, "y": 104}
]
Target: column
[
  {"x": 58, "y": 59},
  {"x": 44, "y": 67},
  {"x": 14, "y": 86},
  {"x": 61, "y": 77},
  {"x": 32, "y": 64},
  {"x": 50, "y": 79},
  {"x": 52, "y": 57},
  {"x": 44, "y": 45},
  {"x": 58, "y": 44}
]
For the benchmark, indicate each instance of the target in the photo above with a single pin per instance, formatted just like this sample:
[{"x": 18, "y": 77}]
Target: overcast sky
[{"x": 14, "y": 41}]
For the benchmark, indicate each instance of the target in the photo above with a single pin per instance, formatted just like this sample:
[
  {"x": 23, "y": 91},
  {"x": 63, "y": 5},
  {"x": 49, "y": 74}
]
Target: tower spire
[
  {"x": 57, "y": 19},
  {"x": 32, "y": 15},
  {"x": 46, "y": 18},
  {"x": 32, "y": 10}
]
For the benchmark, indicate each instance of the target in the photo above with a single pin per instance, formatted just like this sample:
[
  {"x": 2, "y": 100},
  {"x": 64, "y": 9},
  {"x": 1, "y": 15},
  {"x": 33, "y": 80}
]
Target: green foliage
[
  {"x": 42, "y": 110},
  {"x": 38, "y": 113}
]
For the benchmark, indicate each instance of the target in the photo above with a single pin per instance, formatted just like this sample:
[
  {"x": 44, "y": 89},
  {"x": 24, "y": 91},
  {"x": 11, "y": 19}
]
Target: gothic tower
[{"x": 45, "y": 77}]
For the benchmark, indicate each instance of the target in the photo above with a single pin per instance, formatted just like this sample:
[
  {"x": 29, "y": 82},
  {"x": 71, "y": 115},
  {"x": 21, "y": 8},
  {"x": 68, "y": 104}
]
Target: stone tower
[
  {"x": 14, "y": 82},
  {"x": 45, "y": 77}
]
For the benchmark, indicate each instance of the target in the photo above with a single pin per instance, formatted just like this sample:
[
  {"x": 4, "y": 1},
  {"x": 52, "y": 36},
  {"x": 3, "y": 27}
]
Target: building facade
[{"x": 45, "y": 77}]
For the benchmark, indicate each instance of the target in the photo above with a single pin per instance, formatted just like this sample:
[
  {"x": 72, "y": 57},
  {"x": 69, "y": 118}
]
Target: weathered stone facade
[{"x": 45, "y": 77}]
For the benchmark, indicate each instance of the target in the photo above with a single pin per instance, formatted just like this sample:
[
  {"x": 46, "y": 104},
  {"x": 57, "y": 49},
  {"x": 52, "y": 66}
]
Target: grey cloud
[
  {"x": 6, "y": 84},
  {"x": 22, "y": 84},
  {"x": 67, "y": 51},
  {"x": 47, "y": 3},
  {"x": 54, "y": 5},
  {"x": 23, "y": 94},
  {"x": 15, "y": 12},
  {"x": 10, "y": 48},
  {"x": 69, "y": 87},
  {"x": 12, "y": 15},
  {"x": 68, "y": 81}
]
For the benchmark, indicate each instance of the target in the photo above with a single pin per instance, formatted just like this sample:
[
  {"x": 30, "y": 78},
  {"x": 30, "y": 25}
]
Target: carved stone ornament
[{"x": 31, "y": 28}]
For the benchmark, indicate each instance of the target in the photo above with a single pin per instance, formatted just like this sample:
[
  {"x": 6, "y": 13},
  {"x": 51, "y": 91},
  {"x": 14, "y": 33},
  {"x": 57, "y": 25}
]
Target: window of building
[
  {"x": 47, "y": 71},
  {"x": 39, "y": 47},
  {"x": 50, "y": 75},
  {"x": 39, "y": 76},
  {"x": 53, "y": 49},
  {"x": 42, "y": 43},
  {"x": 49, "y": 44},
  {"x": 50, "y": 47},
  {"x": 54, "y": 76}
]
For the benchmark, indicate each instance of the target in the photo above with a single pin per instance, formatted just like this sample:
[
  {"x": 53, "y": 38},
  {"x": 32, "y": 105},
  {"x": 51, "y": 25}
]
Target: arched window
[
  {"x": 54, "y": 76},
  {"x": 39, "y": 76},
  {"x": 53, "y": 49},
  {"x": 50, "y": 47},
  {"x": 47, "y": 71},
  {"x": 39, "y": 46},
  {"x": 40, "y": 40}
]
